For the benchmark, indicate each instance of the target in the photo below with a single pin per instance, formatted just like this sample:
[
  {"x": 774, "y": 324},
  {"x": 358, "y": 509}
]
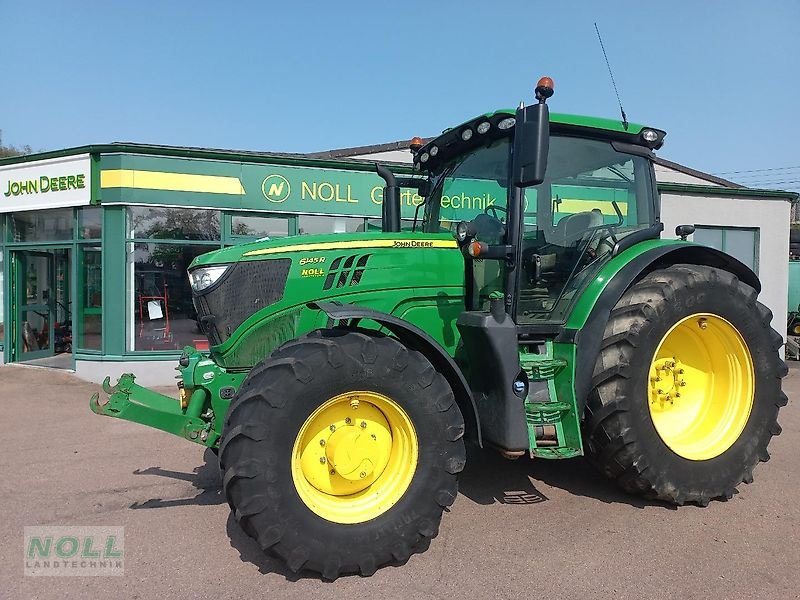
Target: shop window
[
  {"x": 90, "y": 298},
  {"x": 375, "y": 225},
  {"x": 311, "y": 224},
  {"x": 173, "y": 223},
  {"x": 90, "y": 223},
  {"x": 739, "y": 242},
  {"x": 41, "y": 225},
  {"x": 161, "y": 312},
  {"x": 259, "y": 227}
]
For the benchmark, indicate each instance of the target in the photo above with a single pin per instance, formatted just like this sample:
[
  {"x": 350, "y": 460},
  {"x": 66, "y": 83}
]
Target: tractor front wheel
[
  {"x": 687, "y": 386},
  {"x": 340, "y": 452}
]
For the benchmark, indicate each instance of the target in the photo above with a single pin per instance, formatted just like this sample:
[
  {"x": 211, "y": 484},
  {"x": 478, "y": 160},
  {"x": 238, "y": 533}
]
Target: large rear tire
[
  {"x": 340, "y": 452},
  {"x": 687, "y": 386}
]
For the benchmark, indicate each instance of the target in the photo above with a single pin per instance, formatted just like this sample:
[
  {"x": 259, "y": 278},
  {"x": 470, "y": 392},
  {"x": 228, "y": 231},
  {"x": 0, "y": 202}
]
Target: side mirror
[
  {"x": 684, "y": 231},
  {"x": 531, "y": 144}
]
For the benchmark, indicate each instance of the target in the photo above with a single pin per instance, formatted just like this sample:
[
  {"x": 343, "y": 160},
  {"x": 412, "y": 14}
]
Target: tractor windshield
[
  {"x": 471, "y": 184},
  {"x": 593, "y": 196}
]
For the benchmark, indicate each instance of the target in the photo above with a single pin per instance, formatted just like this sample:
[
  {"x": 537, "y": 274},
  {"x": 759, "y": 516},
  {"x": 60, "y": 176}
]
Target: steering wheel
[
  {"x": 494, "y": 210},
  {"x": 609, "y": 241}
]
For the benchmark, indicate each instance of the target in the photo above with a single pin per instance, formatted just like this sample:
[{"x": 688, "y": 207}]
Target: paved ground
[{"x": 532, "y": 529}]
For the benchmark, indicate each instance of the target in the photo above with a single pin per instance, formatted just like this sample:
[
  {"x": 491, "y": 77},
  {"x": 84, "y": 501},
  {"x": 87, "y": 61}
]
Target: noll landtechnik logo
[
  {"x": 73, "y": 551},
  {"x": 276, "y": 188}
]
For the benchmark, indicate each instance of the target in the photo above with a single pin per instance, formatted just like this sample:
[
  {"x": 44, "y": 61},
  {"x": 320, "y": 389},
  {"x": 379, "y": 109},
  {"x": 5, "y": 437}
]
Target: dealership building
[{"x": 95, "y": 241}]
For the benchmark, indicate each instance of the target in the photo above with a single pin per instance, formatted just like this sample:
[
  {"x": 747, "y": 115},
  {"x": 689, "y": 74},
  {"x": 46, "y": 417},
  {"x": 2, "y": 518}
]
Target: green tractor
[{"x": 530, "y": 307}]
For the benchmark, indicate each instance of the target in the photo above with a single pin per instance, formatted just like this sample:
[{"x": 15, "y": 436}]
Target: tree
[{"x": 6, "y": 151}]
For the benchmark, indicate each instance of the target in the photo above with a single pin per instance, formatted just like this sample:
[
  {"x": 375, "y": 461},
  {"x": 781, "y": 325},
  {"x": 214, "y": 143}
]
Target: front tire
[
  {"x": 340, "y": 452},
  {"x": 687, "y": 386}
]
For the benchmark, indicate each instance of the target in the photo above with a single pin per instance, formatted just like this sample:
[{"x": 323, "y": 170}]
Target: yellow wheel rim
[
  {"x": 354, "y": 457},
  {"x": 701, "y": 386}
]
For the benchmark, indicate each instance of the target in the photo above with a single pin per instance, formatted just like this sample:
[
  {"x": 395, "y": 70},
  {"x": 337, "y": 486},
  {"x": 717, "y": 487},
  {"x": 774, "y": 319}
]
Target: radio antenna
[{"x": 614, "y": 83}]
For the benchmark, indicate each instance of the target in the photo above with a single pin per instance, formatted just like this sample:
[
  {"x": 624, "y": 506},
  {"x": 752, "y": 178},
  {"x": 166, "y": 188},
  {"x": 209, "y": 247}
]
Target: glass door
[
  {"x": 42, "y": 297},
  {"x": 35, "y": 279}
]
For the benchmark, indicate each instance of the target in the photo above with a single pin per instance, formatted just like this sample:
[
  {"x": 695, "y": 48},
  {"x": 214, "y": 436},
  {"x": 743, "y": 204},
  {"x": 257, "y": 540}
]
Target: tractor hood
[
  {"x": 253, "y": 297},
  {"x": 323, "y": 242}
]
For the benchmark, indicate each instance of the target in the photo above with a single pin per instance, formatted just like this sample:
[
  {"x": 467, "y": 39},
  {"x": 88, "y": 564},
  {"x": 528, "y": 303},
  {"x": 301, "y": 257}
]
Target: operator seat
[{"x": 573, "y": 228}]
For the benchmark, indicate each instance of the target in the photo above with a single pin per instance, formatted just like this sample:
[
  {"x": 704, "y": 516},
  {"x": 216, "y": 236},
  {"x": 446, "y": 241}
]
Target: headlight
[
  {"x": 434, "y": 150},
  {"x": 205, "y": 277},
  {"x": 649, "y": 135},
  {"x": 466, "y": 135},
  {"x": 424, "y": 157},
  {"x": 483, "y": 127},
  {"x": 506, "y": 123}
]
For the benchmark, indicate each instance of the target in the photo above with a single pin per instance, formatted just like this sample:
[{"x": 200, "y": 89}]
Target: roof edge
[
  {"x": 695, "y": 173},
  {"x": 715, "y": 190}
]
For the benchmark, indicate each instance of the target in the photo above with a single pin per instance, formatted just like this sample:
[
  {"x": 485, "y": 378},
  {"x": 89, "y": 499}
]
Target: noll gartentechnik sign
[
  {"x": 50, "y": 183},
  {"x": 294, "y": 189}
]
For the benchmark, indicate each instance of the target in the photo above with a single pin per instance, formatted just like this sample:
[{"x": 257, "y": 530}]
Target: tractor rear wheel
[
  {"x": 340, "y": 452},
  {"x": 687, "y": 386}
]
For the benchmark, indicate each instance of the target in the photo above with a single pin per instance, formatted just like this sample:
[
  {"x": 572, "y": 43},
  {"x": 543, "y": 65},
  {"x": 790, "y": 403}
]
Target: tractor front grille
[{"x": 245, "y": 289}]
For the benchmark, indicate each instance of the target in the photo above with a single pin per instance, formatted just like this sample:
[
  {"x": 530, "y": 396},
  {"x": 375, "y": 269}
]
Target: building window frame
[{"x": 725, "y": 231}]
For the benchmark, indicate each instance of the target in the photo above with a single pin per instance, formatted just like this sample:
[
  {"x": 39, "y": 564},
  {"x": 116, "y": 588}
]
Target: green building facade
[{"x": 96, "y": 240}]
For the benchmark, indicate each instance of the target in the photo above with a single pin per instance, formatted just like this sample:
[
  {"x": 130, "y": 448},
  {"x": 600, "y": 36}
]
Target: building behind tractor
[{"x": 346, "y": 371}]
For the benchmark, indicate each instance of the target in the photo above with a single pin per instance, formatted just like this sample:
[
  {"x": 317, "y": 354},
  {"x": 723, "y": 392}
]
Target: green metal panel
[
  {"x": 583, "y": 307},
  {"x": 114, "y": 316},
  {"x": 432, "y": 277},
  {"x": 794, "y": 285},
  {"x": 264, "y": 187}
]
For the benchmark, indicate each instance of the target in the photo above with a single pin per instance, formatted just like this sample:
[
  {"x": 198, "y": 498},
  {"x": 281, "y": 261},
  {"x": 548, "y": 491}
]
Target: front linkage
[{"x": 205, "y": 391}]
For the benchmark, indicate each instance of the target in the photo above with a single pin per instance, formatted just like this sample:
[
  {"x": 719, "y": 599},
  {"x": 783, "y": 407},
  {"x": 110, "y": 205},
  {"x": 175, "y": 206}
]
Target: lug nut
[
  {"x": 354, "y": 404},
  {"x": 363, "y": 424},
  {"x": 322, "y": 442},
  {"x": 333, "y": 472},
  {"x": 363, "y": 474},
  {"x": 332, "y": 427},
  {"x": 348, "y": 420},
  {"x": 682, "y": 383},
  {"x": 702, "y": 323},
  {"x": 374, "y": 437},
  {"x": 323, "y": 460}
]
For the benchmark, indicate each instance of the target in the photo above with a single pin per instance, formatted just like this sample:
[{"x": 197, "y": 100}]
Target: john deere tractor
[{"x": 530, "y": 308}]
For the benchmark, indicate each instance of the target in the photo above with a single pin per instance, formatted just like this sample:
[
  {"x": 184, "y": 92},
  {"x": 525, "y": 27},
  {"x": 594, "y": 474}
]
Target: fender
[
  {"x": 413, "y": 337},
  {"x": 588, "y": 335}
]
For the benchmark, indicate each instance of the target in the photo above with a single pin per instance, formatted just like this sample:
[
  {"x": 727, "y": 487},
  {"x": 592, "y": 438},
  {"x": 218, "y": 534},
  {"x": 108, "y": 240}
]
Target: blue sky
[{"x": 720, "y": 77}]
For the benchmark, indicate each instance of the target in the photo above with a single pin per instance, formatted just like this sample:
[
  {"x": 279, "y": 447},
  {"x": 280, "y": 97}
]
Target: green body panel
[
  {"x": 423, "y": 285},
  {"x": 583, "y": 306}
]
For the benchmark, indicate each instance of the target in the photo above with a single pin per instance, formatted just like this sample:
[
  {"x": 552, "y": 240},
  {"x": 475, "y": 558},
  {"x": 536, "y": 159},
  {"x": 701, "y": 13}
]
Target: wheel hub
[
  {"x": 667, "y": 380},
  {"x": 354, "y": 457},
  {"x": 701, "y": 386}
]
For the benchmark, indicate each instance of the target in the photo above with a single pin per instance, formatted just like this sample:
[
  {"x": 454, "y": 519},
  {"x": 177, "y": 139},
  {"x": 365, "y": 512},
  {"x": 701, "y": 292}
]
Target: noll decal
[{"x": 276, "y": 188}]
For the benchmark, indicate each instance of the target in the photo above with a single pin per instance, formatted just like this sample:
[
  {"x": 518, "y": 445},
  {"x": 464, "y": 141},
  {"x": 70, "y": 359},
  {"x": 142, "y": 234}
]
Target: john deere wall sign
[
  {"x": 132, "y": 179},
  {"x": 49, "y": 183}
]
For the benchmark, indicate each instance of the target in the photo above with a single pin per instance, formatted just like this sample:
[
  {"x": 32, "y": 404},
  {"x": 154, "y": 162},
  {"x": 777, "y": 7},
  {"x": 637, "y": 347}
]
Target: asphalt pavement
[{"x": 523, "y": 529}]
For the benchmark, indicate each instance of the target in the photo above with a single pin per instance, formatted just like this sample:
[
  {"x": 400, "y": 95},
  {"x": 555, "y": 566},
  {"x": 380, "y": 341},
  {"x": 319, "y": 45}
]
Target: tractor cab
[{"x": 539, "y": 240}]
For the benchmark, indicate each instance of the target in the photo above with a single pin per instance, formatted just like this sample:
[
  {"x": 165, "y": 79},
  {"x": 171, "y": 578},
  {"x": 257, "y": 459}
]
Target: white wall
[
  {"x": 769, "y": 215},
  {"x": 148, "y": 373},
  {"x": 665, "y": 174}
]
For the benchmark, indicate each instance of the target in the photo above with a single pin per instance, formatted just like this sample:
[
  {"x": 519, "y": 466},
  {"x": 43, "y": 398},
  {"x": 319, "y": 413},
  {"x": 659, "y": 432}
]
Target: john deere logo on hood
[{"x": 276, "y": 188}]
